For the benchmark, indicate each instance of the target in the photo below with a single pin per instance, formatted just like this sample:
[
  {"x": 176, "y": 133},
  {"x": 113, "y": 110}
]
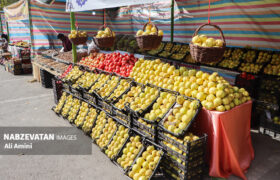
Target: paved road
[{"x": 28, "y": 104}]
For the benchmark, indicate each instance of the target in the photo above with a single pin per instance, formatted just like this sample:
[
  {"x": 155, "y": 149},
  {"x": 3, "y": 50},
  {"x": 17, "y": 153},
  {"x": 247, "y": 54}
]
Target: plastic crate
[
  {"x": 46, "y": 78},
  {"x": 57, "y": 89}
]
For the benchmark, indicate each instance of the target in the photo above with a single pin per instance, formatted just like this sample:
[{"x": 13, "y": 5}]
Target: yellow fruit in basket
[
  {"x": 160, "y": 32},
  {"x": 148, "y": 27},
  {"x": 196, "y": 39},
  {"x": 219, "y": 42},
  {"x": 210, "y": 42},
  {"x": 154, "y": 29},
  {"x": 145, "y": 33},
  {"x": 107, "y": 30},
  {"x": 203, "y": 37},
  {"x": 73, "y": 32}
]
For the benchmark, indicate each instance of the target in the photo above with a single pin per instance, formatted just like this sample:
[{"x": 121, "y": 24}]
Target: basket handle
[
  {"x": 151, "y": 23},
  {"x": 213, "y": 25}
]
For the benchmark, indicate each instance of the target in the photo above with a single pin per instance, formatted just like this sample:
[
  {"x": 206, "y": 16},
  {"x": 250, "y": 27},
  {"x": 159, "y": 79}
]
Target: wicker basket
[
  {"x": 149, "y": 42},
  {"x": 79, "y": 40},
  {"x": 207, "y": 54},
  {"x": 104, "y": 42}
]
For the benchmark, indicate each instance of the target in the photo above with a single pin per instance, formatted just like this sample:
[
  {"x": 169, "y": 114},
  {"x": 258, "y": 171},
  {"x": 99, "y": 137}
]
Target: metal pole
[
  {"x": 30, "y": 26},
  {"x": 172, "y": 21},
  {"x": 73, "y": 27},
  {"x": 7, "y": 25}
]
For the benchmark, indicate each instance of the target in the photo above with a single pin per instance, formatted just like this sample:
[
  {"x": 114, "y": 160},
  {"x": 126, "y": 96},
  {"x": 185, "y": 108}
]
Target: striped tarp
[
  {"x": 253, "y": 22},
  {"x": 48, "y": 21},
  {"x": 19, "y": 30}
]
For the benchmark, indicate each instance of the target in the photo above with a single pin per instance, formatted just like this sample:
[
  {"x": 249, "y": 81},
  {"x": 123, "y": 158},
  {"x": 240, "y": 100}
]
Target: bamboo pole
[{"x": 73, "y": 27}]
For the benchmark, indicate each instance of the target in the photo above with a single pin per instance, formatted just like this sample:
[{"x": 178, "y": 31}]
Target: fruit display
[
  {"x": 102, "y": 80},
  {"x": 249, "y": 56},
  {"x": 164, "y": 54},
  {"x": 128, "y": 97},
  {"x": 117, "y": 142},
  {"x": 106, "y": 33},
  {"x": 237, "y": 54},
  {"x": 82, "y": 114},
  {"x": 86, "y": 80},
  {"x": 275, "y": 59},
  {"x": 270, "y": 85},
  {"x": 74, "y": 110},
  {"x": 73, "y": 75},
  {"x": 182, "y": 114},
  {"x": 107, "y": 88},
  {"x": 76, "y": 34},
  {"x": 192, "y": 83},
  {"x": 228, "y": 63},
  {"x": 99, "y": 125},
  {"x": 145, "y": 99},
  {"x": 93, "y": 60},
  {"x": 130, "y": 152},
  {"x": 250, "y": 67},
  {"x": 88, "y": 123},
  {"x": 126, "y": 43},
  {"x": 61, "y": 102},
  {"x": 146, "y": 164},
  {"x": 176, "y": 48},
  {"x": 157, "y": 50},
  {"x": 67, "y": 106},
  {"x": 68, "y": 56},
  {"x": 122, "y": 87},
  {"x": 263, "y": 57},
  {"x": 149, "y": 30},
  {"x": 227, "y": 52},
  {"x": 50, "y": 52},
  {"x": 161, "y": 106},
  {"x": 168, "y": 47},
  {"x": 272, "y": 70},
  {"x": 107, "y": 133},
  {"x": 204, "y": 41}
]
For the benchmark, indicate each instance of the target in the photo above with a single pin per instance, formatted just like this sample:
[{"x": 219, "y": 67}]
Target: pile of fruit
[
  {"x": 99, "y": 125},
  {"x": 130, "y": 152},
  {"x": 250, "y": 67},
  {"x": 275, "y": 59},
  {"x": 161, "y": 106},
  {"x": 272, "y": 69},
  {"x": 179, "y": 54},
  {"x": 229, "y": 63},
  {"x": 249, "y": 56},
  {"x": 122, "y": 87},
  {"x": 263, "y": 57},
  {"x": 183, "y": 112},
  {"x": 76, "y": 34},
  {"x": 87, "y": 126},
  {"x": 118, "y": 141},
  {"x": 101, "y": 81},
  {"x": 107, "y": 133},
  {"x": 276, "y": 120},
  {"x": 82, "y": 114},
  {"x": 107, "y": 88},
  {"x": 106, "y": 33},
  {"x": 167, "y": 50},
  {"x": 113, "y": 62},
  {"x": 145, "y": 164},
  {"x": 128, "y": 97},
  {"x": 204, "y": 41},
  {"x": 237, "y": 54},
  {"x": 93, "y": 60},
  {"x": 227, "y": 52},
  {"x": 211, "y": 89},
  {"x": 189, "y": 59},
  {"x": 73, "y": 75},
  {"x": 74, "y": 110},
  {"x": 145, "y": 99},
  {"x": 61, "y": 102},
  {"x": 67, "y": 106},
  {"x": 149, "y": 30},
  {"x": 86, "y": 80}
]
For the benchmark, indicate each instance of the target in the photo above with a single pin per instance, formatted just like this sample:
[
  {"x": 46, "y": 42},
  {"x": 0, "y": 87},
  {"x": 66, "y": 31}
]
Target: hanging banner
[
  {"x": 85, "y": 5},
  {"x": 16, "y": 11}
]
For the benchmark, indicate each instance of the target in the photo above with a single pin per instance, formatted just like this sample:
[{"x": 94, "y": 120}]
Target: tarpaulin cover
[{"x": 230, "y": 149}]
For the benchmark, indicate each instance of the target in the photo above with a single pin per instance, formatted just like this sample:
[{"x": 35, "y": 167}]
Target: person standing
[{"x": 67, "y": 45}]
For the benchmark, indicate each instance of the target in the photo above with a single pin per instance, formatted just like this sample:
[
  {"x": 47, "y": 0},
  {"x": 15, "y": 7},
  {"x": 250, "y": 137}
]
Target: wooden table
[{"x": 36, "y": 70}]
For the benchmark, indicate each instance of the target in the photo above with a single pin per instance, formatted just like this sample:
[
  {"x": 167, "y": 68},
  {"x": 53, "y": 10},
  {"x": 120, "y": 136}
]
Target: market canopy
[{"x": 85, "y": 5}]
